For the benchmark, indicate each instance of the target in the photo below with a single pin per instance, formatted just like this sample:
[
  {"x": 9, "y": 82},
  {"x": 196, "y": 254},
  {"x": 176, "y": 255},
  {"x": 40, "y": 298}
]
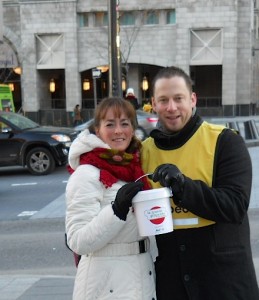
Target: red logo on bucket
[{"x": 156, "y": 215}]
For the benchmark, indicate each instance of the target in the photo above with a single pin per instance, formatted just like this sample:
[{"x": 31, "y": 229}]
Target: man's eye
[
  {"x": 178, "y": 99},
  {"x": 162, "y": 100}
]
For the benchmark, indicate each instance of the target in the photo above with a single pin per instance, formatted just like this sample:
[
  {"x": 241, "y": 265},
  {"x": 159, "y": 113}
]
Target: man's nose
[{"x": 171, "y": 105}]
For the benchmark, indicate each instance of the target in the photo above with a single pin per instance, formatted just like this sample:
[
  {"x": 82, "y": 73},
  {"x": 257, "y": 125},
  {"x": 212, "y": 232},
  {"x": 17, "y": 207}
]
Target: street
[
  {"x": 35, "y": 247},
  {"x": 22, "y": 194}
]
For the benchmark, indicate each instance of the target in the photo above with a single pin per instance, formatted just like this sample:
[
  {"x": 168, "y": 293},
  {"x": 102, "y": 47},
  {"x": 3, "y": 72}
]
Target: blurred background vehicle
[
  {"x": 146, "y": 122},
  {"x": 248, "y": 127},
  {"x": 6, "y": 98},
  {"x": 26, "y": 143}
]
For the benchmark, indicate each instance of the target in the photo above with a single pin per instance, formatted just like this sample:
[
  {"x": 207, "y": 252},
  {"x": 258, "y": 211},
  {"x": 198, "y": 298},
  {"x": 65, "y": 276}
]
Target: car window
[
  {"x": 4, "y": 127},
  {"x": 19, "y": 121}
]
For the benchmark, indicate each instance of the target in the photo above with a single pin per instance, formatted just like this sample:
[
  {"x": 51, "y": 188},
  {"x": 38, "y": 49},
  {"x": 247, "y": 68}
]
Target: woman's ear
[{"x": 92, "y": 129}]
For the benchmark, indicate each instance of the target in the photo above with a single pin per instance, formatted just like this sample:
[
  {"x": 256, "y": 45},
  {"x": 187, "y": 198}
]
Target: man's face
[{"x": 173, "y": 102}]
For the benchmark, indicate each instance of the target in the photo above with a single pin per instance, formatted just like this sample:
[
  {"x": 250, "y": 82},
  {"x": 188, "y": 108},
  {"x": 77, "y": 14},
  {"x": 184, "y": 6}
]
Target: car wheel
[
  {"x": 140, "y": 133},
  {"x": 40, "y": 161}
]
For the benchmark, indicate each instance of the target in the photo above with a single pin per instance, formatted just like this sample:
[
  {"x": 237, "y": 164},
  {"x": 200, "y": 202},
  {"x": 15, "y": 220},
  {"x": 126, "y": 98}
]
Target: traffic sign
[{"x": 96, "y": 73}]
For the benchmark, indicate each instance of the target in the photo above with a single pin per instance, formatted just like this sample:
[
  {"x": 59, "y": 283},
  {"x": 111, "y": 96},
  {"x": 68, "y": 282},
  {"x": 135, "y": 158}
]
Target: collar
[
  {"x": 114, "y": 165},
  {"x": 168, "y": 141}
]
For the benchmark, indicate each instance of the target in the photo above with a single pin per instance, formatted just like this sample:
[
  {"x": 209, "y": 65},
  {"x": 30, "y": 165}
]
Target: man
[{"x": 208, "y": 168}]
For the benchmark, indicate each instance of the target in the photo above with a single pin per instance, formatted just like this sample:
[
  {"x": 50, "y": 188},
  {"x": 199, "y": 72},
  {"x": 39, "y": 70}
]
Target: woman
[
  {"x": 115, "y": 261},
  {"x": 130, "y": 96}
]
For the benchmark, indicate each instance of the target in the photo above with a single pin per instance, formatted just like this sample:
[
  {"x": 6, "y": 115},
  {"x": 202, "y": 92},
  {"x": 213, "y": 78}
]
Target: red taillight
[{"x": 152, "y": 120}]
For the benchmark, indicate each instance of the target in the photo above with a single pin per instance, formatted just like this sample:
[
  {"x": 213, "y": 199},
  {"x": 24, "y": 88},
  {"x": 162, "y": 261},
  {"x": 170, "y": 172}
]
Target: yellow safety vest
[{"x": 195, "y": 159}]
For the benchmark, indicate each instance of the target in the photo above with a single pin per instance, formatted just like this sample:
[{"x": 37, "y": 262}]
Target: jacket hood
[{"x": 85, "y": 142}]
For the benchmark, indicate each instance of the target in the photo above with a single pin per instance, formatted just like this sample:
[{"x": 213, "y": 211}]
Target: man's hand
[{"x": 170, "y": 176}]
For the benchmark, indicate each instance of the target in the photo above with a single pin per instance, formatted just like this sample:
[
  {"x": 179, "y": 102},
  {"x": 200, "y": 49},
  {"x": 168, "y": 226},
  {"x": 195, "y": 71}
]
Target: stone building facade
[{"x": 63, "y": 40}]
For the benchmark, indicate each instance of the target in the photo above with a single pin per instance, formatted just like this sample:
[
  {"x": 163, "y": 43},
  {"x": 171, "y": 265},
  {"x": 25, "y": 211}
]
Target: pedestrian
[
  {"x": 208, "y": 168},
  {"x": 77, "y": 118},
  {"x": 101, "y": 227},
  {"x": 130, "y": 96}
]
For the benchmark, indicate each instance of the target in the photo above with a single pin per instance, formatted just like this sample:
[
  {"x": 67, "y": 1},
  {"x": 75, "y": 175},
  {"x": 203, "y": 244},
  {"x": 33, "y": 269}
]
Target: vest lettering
[{"x": 179, "y": 210}]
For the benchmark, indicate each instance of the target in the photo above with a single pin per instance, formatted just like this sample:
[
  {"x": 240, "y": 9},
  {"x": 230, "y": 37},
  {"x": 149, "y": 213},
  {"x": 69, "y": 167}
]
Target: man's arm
[{"x": 228, "y": 199}]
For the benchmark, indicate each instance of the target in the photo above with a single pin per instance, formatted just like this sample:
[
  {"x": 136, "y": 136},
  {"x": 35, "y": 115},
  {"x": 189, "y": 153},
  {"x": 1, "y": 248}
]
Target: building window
[
  {"x": 206, "y": 46},
  {"x": 170, "y": 17},
  {"x": 83, "y": 19},
  {"x": 127, "y": 18},
  {"x": 101, "y": 19},
  {"x": 50, "y": 51},
  {"x": 152, "y": 17}
]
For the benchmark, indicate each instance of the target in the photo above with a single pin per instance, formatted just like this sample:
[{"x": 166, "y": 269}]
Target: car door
[{"x": 10, "y": 145}]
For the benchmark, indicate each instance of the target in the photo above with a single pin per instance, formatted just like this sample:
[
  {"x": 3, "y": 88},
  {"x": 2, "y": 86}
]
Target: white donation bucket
[{"x": 153, "y": 211}]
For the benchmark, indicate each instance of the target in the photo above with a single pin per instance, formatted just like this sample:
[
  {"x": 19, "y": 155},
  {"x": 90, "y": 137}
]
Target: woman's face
[{"x": 117, "y": 132}]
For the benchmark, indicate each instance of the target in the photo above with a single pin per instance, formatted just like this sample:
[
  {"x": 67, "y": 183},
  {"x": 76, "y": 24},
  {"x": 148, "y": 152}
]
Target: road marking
[
  {"x": 28, "y": 183},
  {"x": 64, "y": 181},
  {"x": 27, "y": 213}
]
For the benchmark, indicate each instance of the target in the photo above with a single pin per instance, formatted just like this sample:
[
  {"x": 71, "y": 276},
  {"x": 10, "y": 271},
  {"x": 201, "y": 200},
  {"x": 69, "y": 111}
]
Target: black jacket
[
  {"x": 212, "y": 262},
  {"x": 133, "y": 100}
]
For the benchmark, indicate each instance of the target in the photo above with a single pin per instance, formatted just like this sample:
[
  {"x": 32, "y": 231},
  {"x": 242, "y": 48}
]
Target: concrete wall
[{"x": 160, "y": 45}]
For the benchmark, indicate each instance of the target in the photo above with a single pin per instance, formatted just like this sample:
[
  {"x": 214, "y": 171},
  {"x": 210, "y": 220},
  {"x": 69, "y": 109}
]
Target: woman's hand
[{"x": 123, "y": 200}]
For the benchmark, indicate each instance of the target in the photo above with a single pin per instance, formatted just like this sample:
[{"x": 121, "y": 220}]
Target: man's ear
[
  {"x": 193, "y": 99},
  {"x": 153, "y": 104}
]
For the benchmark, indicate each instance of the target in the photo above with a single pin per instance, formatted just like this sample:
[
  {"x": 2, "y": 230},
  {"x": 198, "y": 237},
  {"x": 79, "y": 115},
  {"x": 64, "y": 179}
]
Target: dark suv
[{"x": 26, "y": 143}]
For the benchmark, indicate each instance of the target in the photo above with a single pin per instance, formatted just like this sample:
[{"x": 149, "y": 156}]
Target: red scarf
[{"x": 114, "y": 165}]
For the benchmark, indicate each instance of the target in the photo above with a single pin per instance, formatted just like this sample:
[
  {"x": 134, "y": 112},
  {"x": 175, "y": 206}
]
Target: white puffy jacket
[{"x": 110, "y": 267}]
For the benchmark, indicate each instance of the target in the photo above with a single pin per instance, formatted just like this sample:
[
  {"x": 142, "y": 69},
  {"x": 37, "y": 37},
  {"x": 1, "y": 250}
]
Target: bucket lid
[{"x": 152, "y": 194}]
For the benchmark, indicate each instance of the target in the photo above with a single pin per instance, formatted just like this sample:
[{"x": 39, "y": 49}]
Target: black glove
[
  {"x": 123, "y": 200},
  {"x": 170, "y": 176}
]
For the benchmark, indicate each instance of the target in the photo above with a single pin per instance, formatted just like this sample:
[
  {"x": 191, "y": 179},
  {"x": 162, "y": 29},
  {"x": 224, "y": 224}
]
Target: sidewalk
[
  {"x": 25, "y": 287},
  {"x": 44, "y": 288}
]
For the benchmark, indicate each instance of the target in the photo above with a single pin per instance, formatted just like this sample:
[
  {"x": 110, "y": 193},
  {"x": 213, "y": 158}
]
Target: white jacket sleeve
[{"x": 90, "y": 220}]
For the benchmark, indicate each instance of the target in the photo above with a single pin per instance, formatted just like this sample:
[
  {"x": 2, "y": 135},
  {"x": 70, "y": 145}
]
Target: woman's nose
[{"x": 118, "y": 129}]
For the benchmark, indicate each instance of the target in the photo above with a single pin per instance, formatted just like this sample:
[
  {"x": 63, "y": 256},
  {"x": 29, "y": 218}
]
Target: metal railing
[{"x": 209, "y": 102}]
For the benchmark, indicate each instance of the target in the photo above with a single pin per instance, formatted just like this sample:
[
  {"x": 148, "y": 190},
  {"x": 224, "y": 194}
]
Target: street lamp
[
  {"x": 17, "y": 70},
  {"x": 86, "y": 85},
  {"x": 123, "y": 84},
  {"x": 103, "y": 69},
  {"x": 11, "y": 85},
  {"x": 144, "y": 86},
  {"x": 52, "y": 86}
]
